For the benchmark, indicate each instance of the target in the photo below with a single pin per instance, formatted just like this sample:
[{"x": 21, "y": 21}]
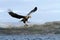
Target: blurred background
[{"x": 48, "y": 10}]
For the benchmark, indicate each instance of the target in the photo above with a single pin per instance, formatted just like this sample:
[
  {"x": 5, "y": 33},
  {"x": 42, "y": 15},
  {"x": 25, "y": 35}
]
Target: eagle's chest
[{"x": 25, "y": 19}]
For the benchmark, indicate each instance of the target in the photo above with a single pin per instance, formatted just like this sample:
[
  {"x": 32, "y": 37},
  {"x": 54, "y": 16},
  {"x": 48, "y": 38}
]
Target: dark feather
[
  {"x": 35, "y": 9},
  {"x": 16, "y": 15}
]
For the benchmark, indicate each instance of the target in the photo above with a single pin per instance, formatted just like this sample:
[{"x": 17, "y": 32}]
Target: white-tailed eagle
[{"x": 24, "y": 18}]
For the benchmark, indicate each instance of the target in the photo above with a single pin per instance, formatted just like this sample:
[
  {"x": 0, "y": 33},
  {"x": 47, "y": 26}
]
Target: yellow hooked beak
[{"x": 29, "y": 16}]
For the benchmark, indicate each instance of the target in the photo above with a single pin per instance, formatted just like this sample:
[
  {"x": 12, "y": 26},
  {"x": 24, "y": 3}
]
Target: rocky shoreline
[{"x": 49, "y": 27}]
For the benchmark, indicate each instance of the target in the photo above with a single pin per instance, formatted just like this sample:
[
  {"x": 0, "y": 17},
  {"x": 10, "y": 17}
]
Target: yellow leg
[{"x": 25, "y": 25}]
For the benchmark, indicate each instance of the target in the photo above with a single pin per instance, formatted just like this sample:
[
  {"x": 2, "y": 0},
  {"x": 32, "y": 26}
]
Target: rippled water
[{"x": 30, "y": 37}]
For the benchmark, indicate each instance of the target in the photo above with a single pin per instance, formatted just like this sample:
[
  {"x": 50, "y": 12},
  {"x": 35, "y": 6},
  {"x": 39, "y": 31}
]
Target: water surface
[{"x": 31, "y": 37}]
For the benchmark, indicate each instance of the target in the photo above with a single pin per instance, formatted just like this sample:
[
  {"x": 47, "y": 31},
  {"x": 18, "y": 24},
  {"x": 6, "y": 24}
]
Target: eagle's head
[{"x": 28, "y": 16}]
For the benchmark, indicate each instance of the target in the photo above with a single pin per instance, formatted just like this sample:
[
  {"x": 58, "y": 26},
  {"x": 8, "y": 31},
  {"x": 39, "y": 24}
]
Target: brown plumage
[{"x": 24, "y": 18}]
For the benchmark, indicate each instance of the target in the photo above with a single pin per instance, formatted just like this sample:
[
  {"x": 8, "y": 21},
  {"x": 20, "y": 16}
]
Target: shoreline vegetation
[{"x": 46, "y": 28}]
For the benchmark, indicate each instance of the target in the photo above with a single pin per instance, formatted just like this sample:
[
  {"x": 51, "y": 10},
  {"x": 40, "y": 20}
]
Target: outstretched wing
[
  {"x": 35, "y": 9},
  {"x": 15, "y": 15}
]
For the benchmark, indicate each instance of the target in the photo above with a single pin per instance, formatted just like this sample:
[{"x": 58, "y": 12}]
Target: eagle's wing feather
[
  {"x": 35, "y": 9},
  {"x": 15, "y": 15}
]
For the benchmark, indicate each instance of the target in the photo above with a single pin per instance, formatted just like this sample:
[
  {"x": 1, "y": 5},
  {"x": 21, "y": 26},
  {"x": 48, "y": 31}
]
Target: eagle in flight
[{"x": 24, "y": 18}]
